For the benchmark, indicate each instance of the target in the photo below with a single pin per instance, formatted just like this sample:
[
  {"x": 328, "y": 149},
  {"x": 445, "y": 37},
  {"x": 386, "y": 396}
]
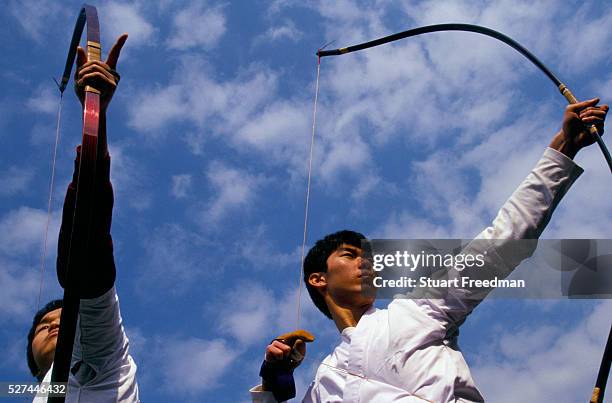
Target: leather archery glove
[
  {"x": 277, "y": 372},
  {"x": 95, "y": 274}
]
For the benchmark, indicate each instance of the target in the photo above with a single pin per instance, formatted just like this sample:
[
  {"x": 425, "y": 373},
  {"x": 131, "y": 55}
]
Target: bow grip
[
  {"x": 94, "y": 53},
  {"x": 571, "y": 99}
]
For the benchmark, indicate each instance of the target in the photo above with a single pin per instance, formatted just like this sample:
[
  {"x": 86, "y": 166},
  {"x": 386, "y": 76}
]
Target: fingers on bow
[
  {"x": 594, "y": 115},
  {"x": 100, "y": 70},
  {"x": 96, "y": 72}
]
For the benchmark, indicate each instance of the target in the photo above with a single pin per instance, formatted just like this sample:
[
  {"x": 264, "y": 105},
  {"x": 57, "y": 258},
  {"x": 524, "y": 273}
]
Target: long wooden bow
[
  {"x": 84, "y": 201},
  {"x": 479, "y": 30}
]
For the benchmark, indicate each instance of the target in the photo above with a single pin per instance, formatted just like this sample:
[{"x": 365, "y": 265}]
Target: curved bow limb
[{"x": 479, "y": 30}]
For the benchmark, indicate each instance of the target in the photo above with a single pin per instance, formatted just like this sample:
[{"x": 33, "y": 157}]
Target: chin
[
  {"x": 51, "y": 349},
  {"x": 366, "y": 298},
  {"x": 368, "y": 292}
]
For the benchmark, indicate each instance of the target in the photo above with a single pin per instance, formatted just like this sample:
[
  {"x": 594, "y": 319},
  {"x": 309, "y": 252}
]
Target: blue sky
[{"x": 209, "y": 134}]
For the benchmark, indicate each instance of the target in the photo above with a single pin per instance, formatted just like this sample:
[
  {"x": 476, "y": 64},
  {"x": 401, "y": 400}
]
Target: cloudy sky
[{"x": 210, "y": 132}]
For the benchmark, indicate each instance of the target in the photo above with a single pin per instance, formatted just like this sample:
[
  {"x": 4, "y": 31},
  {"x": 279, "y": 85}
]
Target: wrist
[{"x": 561, "y": 144}]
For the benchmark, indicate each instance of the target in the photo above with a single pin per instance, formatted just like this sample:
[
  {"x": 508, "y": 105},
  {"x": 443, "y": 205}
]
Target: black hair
[
  {"x": 51, "y": 306},
  {"x": 316, "y": 261}
]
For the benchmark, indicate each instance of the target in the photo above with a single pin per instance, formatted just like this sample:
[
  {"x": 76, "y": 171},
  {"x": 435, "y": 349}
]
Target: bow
[
  {"x": 84, "y": 201},
  {"x": 479, "y": 30}
]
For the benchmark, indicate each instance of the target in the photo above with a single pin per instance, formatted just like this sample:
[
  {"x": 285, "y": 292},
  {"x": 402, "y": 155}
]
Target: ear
[{"x": 318, "y": 281}]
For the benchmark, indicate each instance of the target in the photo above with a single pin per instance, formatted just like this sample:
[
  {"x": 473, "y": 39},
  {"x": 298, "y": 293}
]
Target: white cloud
[
  {"x": 344, "y": 155},
  {"x": 586, "y": 211},
  {"x": 172, "y": 252},
  {"x": 285, "y": 31},
  {"x": 441, "y": 91},
  {"x": 198, "y": 26},
  {"x": 129, "y": 179},
  {"x": 234, "y": 189},
  {"x": 196, "y": 140},
  {"x": 118, "y": 18},
  {"x": 22, "y": 231},
  {"x": 262, "y": 316},
  {"x": 138, "y": 342},
  {"x": 20, "y": 287},
  {"x": 14, "y": 355},
  {"x": 277, "y": 6},
  {"x": 281, "y": 131},
  {"x": 15, "y": 180},
  {"x": 261, "y": 253},
  {"x": 250, "y": 323},
  {"x": 21, "y": 238},
  {"x": 196, "y": 97},
  {"x": 370, "y": 183},
  {"x": 404, "y": 225},
  {"x": 181, "y": 185},
  {"x": 34, "y": 16},
  {"x": 586, "y": 37},
  {"x": 583, "y": 37},
  {"x": 288, "y": 30},
  {"x": 346, "y": 12},
  {"x": 551, "y": 363},
  {"x": 602, "y": 88},
  {"x": 193, "y": 365},
  {"x": 45, "y": 100},
  {"x": 156, "y": 108}
]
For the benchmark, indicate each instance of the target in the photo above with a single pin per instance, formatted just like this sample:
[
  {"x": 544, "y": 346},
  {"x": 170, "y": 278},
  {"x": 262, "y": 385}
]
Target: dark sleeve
[{"x": 97, "y": 275}]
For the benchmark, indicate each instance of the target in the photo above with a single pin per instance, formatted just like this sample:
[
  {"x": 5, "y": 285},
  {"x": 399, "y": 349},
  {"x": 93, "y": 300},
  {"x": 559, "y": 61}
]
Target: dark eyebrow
[
  {"x": 45, "y": 319},
  {"x": 348, "y": 248},
  {"x": 43, "y": 322}
]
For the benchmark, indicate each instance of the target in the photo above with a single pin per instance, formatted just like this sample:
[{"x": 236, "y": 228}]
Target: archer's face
[
  {"x": 45, "y": 339},
  {"x": 349, "y": 277}
]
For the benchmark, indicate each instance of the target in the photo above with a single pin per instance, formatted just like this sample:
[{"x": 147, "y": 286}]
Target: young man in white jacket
[{"x": 408, "y": 352}]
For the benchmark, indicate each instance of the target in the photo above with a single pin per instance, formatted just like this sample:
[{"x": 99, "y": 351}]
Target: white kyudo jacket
[
  {"x": 102, "y": 369},
  {"x": 408, "y": 352}
]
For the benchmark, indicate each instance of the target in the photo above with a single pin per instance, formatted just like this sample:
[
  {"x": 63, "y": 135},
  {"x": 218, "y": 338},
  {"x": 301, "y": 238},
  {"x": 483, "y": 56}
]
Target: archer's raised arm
[
  {"x": 99, "y": 276},
  {"x": 526, "y": 213}
]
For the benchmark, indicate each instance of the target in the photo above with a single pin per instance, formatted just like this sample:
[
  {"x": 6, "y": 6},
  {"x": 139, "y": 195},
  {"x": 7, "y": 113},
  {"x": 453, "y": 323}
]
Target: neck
[{"x": 346, "y": 316}]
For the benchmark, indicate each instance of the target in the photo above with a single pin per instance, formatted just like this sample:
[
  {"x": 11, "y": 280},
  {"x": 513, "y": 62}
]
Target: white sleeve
[
  {"x": 523, "y": 216},
  {"x": 258, "y": 395},
  {"x": 100, "y": 339}
]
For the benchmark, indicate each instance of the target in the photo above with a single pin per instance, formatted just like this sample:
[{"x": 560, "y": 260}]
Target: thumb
[
  {"x": 300, "y": 347},
  {"x": 581, "y": 105},
  {"x": 113, "y": 55}
]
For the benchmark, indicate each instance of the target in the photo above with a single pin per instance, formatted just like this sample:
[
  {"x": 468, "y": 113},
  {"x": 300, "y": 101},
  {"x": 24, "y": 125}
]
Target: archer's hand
[
  {"x": 100, "y": 75},
  {"x": 574, "y": 134},
  {"x": 281, "y": 353}
]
